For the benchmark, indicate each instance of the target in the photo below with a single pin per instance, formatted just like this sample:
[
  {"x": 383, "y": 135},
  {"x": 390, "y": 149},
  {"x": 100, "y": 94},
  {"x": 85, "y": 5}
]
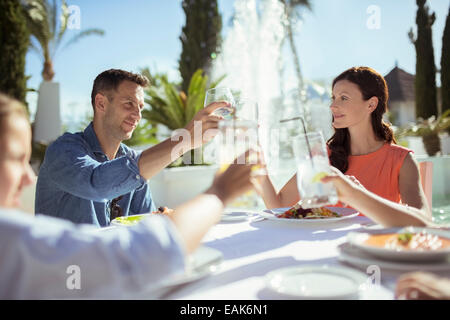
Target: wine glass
[{"x": 220, "y": 94}]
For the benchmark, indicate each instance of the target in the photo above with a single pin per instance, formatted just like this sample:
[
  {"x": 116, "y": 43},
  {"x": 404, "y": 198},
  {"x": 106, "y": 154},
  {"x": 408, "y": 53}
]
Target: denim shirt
[{"x": 77, "y": 181}]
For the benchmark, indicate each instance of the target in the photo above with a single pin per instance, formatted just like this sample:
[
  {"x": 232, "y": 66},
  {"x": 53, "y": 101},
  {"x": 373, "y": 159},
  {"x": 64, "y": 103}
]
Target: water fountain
[
  {"x": 251, "y": 52},
  {"x": 251, "y": 55},
  {"x": 252, "y": 59}
]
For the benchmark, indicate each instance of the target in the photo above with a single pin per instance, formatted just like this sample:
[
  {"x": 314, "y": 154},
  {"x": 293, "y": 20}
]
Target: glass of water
[
  {"x": 241, "y": 133},
  {"x": 313, "y": 164},
  {"x": 236, "y": 136},
  {"x": 217, "y": 95}
]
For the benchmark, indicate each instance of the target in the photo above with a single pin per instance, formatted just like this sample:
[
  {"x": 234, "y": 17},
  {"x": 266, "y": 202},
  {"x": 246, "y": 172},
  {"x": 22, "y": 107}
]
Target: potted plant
[
  {"x": 173, "y": 108},
  {"x": 429, "y": 130}
]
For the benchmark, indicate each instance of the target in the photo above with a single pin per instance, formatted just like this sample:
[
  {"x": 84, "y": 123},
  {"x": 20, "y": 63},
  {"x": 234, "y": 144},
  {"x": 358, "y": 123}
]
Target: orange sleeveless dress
[{"x": 379, "y": 171}]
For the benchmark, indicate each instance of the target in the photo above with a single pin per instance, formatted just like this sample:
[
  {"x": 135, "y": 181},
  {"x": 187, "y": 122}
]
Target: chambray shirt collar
[{"x": 92, "y": 140}]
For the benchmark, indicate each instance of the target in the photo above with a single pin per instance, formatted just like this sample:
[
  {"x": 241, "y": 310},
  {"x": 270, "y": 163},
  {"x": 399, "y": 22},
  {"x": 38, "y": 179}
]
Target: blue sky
[{"x": 139, "y": 33}]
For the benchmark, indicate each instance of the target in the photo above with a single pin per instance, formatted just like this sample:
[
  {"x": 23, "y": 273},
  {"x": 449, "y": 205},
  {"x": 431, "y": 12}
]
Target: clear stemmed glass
[{"x": 220, "y": 94}]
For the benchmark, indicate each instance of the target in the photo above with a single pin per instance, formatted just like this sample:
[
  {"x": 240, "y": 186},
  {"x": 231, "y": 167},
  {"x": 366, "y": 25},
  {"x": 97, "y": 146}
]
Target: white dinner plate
[
  {"x": 354, "y": 256},
  {"x": 203, "y": 262},
  {"x": 358, "y": 240},
  {"x": 236, "y": 216},
  {"x": 346, "y": 213},
  {"x": 316, "y": 282}
]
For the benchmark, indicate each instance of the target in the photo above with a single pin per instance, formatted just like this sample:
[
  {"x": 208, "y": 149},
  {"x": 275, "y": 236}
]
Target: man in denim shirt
[
  {"x": 46, "y": 258},
  {"x": 91, "y": 176}
]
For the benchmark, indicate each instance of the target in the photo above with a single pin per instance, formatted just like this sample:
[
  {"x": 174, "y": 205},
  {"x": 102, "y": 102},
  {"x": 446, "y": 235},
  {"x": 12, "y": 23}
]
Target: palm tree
[
  {"x": 14, "y": 39},
  {"x": 292, "y": 16},
  {"x": 445, "y": 65},
  {"x": 47, "y": 34}
]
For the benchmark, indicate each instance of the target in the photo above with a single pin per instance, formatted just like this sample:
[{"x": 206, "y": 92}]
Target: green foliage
[
  {"x": 169, "y": 105},
  {"x": 425, "y": 81},
  {"x": 445, "y": 66},
  {"x": 200, "y": 38},
  {"x": 429, "y": 130},
  {"x": 429, "y": 126},
  {"x": 14, "y": 40}
]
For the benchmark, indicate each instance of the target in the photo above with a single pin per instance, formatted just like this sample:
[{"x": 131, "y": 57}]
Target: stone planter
[
  {"x": 173, "y": 186},
  {"x": 432, "y": 144},
  {"x": 445, "y": 143},
  {"x": 47, "y": 122}
]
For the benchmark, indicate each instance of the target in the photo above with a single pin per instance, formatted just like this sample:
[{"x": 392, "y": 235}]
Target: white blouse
[{"x": 47, "y": 258}]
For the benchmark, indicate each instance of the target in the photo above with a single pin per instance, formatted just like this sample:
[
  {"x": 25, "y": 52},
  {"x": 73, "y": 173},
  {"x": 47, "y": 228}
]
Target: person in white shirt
[{"x": 47, "y": 258}]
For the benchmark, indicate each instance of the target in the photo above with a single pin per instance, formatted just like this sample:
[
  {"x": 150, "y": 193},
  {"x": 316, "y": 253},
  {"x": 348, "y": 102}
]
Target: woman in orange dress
[{"x": 364, "y": 149}]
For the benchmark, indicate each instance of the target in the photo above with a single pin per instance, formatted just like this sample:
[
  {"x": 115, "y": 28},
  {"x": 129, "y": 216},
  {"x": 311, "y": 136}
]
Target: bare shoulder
[
  {"x": 409, "y": 165},
  {"x": 410, "y": 186}
]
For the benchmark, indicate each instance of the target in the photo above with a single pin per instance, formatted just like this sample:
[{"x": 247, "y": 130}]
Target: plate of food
[
  {"x": 316, "y": 282},
  {"x": 406, "y": 244},
  {"x": 354, "y": 256},
  {"x": 297, "y": 214},
  {"x": 132, "y": 220}
]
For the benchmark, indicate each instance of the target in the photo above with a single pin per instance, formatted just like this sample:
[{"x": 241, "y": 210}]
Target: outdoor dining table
[{"x": 254, "y": 247}]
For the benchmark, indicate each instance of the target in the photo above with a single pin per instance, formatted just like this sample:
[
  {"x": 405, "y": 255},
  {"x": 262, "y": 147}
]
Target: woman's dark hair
[{"x": 371, "y": 84}]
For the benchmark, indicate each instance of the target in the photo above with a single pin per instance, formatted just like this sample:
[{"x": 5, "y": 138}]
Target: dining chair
[{"x": 426, "y": 178}]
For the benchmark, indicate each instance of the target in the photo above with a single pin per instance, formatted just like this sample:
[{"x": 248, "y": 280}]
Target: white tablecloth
[{"x": 251, "y": 249}]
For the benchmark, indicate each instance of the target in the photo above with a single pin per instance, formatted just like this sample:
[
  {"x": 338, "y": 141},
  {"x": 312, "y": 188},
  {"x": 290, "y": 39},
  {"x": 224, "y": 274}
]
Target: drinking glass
[
  {"x": 220, "y": 94},
  {"x": 237, "y": 135},
  {"x": 313, "y": 164}
]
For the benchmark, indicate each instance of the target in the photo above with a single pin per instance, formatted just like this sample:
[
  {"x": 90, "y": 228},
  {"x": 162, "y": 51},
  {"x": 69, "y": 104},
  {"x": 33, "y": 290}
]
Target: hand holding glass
[
  {"x": 239, "y": 134},
  {"x": 219, "y": 94},
  {"x": 313, "y": 164}
]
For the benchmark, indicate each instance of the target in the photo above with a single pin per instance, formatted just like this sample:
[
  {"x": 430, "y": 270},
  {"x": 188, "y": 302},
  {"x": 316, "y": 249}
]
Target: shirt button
[{"x": 137, "y": 176}]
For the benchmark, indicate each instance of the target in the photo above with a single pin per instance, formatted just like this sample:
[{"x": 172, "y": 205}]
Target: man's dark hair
[{"x": 111, "y": 79}]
